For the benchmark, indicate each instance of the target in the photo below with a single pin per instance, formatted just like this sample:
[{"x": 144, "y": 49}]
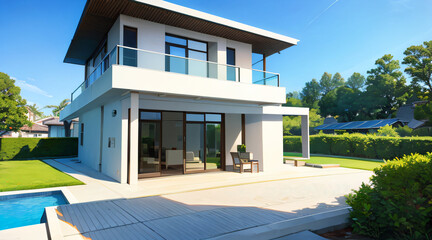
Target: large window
[{"x": 182, "y": 48}]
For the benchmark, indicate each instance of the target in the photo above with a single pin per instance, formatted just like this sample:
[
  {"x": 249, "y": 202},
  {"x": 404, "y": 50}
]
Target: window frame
[{"x": 186, "y": 47}]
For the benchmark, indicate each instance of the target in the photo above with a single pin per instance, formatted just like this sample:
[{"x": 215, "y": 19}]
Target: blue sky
[{"x": 343, "y": 36}]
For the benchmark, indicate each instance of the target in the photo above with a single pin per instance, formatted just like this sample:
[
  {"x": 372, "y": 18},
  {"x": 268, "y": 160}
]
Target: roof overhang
[{"x": 99, "y": 15}]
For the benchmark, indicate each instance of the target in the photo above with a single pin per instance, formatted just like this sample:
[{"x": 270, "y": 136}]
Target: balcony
[{"x": 126, "y": 56}]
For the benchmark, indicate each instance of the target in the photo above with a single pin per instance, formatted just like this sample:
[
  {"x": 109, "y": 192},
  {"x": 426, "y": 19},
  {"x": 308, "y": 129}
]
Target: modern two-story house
[{"x": 171, "y": 90}]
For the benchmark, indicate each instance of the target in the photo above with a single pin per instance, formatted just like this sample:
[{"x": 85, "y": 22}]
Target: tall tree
[
  {"x": 347, "y": 103},
  {"x": 12, "y": 105},
  {"x": 419, "y": 61},
  {"x": 337, "y": 81},
  {"x": 310, "y": 94},
  {"x": 326, "y": 83},
  {"x": 329, "y": 83},
  {"x": 356, "y": 81},
  {"x": 385, "y": 88},
  {"x": 36, "y": 111},
  {"x": 57, "y": 108}
]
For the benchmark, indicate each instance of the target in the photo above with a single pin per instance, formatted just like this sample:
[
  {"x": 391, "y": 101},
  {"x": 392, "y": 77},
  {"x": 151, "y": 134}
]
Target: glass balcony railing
[{"x": 133, "y": 57}]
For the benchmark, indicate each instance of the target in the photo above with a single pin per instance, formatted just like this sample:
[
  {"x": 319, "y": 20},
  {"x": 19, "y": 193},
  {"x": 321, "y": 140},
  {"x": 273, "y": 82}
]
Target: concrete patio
[{"x": 200, "y": 206}]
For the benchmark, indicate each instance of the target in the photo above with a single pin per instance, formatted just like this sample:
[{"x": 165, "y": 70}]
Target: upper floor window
[
  {"x": 130, "y": 39},
  {"x": 231, "y": 60},
  {"x": 182, "y": 48}
]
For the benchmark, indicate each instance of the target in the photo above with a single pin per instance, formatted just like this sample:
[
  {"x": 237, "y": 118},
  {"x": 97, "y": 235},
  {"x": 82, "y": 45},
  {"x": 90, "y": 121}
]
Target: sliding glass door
[
  {"x": 203, "y": 142},
  {"x": 149, "y": 164}
]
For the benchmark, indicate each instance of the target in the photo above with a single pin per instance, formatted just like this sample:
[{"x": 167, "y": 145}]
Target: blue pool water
[{"x": 27, "y": 209}]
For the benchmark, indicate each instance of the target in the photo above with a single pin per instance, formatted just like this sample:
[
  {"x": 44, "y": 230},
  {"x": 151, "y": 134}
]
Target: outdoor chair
[{"x": 240, "y": 163}]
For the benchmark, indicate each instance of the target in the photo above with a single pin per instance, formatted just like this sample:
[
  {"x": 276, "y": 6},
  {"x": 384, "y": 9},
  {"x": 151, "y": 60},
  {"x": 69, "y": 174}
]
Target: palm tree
[
  {"x": 36, "y": 111},
  {"x": 57, "y": 108}
]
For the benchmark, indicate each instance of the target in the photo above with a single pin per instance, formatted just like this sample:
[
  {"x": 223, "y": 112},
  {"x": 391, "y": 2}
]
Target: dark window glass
[
  {"x": 82, "y": 134},
  {"x": 130, "y": 37},
  {"x": 150, "y": 115},
  {"x": 231, "y": 56},
  {"x": 175, "y": 40},
  {"x": 130, "y": 40}
]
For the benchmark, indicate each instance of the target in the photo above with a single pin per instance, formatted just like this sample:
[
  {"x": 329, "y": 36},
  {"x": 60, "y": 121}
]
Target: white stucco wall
[
  {"x": 112, "y": 155},
  {"x": 232, "y": 136},
  {"x": 89, "y": 152},
  {"x": 264, "y": 138}
]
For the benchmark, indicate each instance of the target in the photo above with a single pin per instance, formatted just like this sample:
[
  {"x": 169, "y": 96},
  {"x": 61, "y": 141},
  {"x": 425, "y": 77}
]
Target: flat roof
[{"x": 99, "y": 16}]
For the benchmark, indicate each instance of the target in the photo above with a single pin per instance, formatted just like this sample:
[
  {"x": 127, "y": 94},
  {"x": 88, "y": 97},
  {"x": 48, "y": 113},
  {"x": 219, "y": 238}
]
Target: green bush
[
  {"x": 398, "y": 203},
  {"x": 404, "y": 131},
  {"x": 361, "y": 145},
  {"x": 30, "y": 148},
  {"x": 387, "y": 131}
]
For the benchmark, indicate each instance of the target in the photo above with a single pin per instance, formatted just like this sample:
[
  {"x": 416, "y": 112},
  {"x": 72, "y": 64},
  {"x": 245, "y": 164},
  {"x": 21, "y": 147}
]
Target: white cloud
[{"x": 30, "y": 87}]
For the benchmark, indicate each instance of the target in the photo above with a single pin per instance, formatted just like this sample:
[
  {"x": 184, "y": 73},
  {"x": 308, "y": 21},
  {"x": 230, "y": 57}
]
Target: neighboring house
[
  {"x": 171, "y": 90},
  {"x": 36, "y": 130},
  {"x": 57, "y": 129},
  {"x": 404, "y": 117}
]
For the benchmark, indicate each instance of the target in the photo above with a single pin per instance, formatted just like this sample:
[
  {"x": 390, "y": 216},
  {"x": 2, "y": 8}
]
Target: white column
[
  {"x": 305, "y": 136},
  {"x": 134, "y": 128}
]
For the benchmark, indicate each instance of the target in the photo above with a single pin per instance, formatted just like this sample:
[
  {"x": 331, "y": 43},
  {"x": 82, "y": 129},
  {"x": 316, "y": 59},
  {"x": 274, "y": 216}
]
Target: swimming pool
[{"x": 27, "y": 209}]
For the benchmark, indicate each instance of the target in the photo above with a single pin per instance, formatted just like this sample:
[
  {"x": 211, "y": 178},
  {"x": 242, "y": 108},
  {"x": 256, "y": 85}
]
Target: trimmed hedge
[
  {"x": 30, "y": 148},
  {"x": 361, "y": 145}
]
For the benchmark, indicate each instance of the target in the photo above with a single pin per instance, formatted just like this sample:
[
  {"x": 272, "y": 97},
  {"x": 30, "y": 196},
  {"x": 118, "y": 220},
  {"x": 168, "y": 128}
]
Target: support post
[
  {"x": 305, "y": 136},
  {"x": 133, "y": 147}
]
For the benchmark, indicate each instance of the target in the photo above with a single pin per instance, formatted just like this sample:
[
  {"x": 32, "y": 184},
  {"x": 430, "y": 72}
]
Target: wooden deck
[{"x": 158, "y": 218}]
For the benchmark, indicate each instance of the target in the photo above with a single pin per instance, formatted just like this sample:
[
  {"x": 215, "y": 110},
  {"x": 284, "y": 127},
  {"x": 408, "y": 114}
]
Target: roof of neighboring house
[
  {"x": 416, "y": 123},
  {"x": 54, "y": 121},
  {"x": 405, "y": 113},
  {"x": 35, "y": 128},
  {"x": 371, "y": 124},
  {"x": 99, "y": 16}
]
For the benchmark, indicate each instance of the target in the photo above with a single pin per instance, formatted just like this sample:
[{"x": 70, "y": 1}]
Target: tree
[
  {"x": 329, "y": 83},
  {"x": 328, "y": 104},
  {"x": 348, "y": 105},
  {"x": 356, "y": 81},
  {"x": 36, "y": 111},
  {"x": 58, "y": 108},
  {"x": 326, "y": 83},
  {"x": 385, "y": 88},
  {"x": 310, "y": 94},
  {"x": 419, "y": 61},
  {"x": 12, "y": 106}
]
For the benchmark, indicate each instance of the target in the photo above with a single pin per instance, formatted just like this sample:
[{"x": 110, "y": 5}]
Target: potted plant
[{"x": 241, "y": 148}]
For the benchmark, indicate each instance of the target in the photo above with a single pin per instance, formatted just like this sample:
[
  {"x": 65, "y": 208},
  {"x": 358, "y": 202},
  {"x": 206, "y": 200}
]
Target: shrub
[
  {"x": 30, "y": 148},
  {"x": 361, "y": 145},
  {"x": 404, "y": 131},
  {"x": 387, "y": 131},
  {"x": 398, "y": 203}
]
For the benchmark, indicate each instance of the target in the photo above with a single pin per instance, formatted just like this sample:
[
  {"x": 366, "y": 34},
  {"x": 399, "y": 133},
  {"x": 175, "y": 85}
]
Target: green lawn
[
  {"x": 32, "y": 174},
  {"x": 357, "y": 163}
]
